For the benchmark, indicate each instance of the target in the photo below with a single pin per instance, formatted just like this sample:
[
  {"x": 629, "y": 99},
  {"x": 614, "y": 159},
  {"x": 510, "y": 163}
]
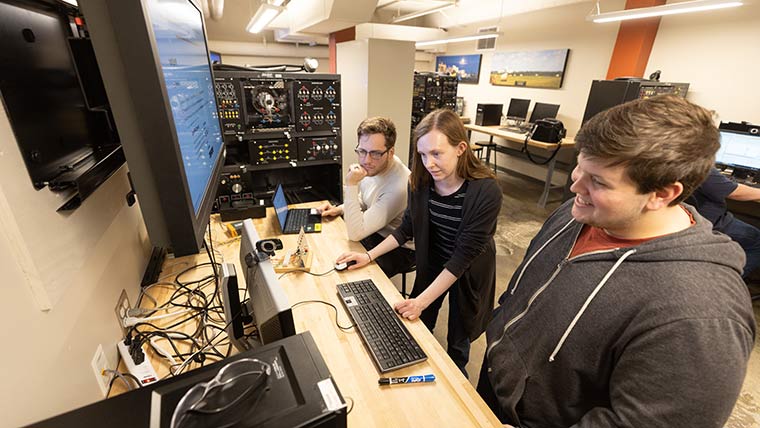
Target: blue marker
[{"x": 406, "y": 379}]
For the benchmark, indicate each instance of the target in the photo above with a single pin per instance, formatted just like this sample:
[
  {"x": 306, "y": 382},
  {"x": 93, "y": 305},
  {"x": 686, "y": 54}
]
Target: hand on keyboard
[{"x": 409, "y": 308}]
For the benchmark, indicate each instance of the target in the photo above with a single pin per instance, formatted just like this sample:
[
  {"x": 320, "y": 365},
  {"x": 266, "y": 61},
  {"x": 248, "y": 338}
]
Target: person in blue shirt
[{"x": 710, "y": 200}]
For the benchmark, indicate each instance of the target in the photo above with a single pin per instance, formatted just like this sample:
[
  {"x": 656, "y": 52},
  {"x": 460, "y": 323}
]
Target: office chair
[
  {"x": 488, "y": 145},
  {"x": 477, "y": 150}
]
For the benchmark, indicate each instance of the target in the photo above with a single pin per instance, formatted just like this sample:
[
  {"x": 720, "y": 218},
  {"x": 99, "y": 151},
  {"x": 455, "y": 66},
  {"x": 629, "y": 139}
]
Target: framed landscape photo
[
  {"x": 532, "y": 69},
  {"x": 465, "y": 67}
]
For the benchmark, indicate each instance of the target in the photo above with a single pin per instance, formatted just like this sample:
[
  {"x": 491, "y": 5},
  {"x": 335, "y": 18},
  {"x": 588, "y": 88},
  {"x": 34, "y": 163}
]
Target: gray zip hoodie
[{"x": 656, "y": 335}]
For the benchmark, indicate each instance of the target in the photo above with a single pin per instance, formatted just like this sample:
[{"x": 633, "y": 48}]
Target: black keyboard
[
  {"x": 297, "y": 218},
  {"x": 383, "y": 332},
  {"x": 517, "y": 129}
]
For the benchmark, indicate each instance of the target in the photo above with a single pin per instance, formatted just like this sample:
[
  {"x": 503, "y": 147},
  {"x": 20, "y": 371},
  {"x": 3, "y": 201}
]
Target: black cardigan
[{"x": 473, "y": 261}]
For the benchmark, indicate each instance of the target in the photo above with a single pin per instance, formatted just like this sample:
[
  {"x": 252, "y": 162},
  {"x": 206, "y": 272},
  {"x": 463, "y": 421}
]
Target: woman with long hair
[{"x": 454, "y": 203}]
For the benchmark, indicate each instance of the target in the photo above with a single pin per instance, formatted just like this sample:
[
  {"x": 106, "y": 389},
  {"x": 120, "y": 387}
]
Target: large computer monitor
[
  {"x": 543, "y": 111},
  {"x": 518, "y": 109},
  {"x": 155, "y": 64},
  {"x": 739, "y": 150},
  {"x": 267, "y": 307}
]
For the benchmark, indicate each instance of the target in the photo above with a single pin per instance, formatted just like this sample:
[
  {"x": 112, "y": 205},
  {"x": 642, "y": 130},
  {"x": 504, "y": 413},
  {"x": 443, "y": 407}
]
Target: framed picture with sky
[
  {"x": 465, "y": 67},
  {"x": 532, "y": 69}
]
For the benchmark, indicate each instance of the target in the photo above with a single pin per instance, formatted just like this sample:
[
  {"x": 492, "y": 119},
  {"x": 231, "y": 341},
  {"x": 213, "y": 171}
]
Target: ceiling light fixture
[
  {"x": 667, "y": 9},
  {"x": 457, "y": 39},
  {"x": 266, "y": 14},
  {"x": 423, "y": 12}
]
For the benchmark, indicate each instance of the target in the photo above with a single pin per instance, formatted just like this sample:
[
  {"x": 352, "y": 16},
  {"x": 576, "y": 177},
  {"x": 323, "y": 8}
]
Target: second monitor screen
[{"x": 518, "y": 109}]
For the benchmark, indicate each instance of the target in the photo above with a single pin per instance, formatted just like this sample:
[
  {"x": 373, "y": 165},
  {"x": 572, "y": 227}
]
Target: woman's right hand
[{"x": 361, "y": 259}]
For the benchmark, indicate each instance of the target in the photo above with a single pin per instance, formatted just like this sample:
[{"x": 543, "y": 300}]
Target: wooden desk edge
[{"x": 567, "y": 142}]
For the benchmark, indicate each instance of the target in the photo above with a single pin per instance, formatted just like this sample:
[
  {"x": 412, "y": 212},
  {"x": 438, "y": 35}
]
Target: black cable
[
  {"x": 166, "y": 335},
  {"x": 211, "y": 252},
  {"x": 133, "y": 377},
  {"x": 224, "y": 329},
  {"x": 547, "y": 160},
  {"x": 129, "y": 375},
  {"x": 328, "y": 304},
  {"x": 352, "y": 404},
  {"x": 190, "y": 295},
  {"x": 306, "y": 271},
  {"x": 176, "y": 277}
]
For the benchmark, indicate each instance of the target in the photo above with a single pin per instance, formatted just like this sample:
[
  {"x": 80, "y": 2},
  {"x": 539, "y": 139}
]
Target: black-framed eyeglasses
[
  {"x": 234, "y": 382},
  {"x": 374, "y": 154}
]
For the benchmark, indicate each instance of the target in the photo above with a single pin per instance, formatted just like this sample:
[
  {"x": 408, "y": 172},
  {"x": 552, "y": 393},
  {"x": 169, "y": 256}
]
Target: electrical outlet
[
  {"x": 122, "y": 306},
  {"x": 99, "y": 365}
]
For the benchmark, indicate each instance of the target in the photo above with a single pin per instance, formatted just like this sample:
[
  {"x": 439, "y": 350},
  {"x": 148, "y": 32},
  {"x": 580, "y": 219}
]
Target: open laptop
[{"x": 292, "y": 219}]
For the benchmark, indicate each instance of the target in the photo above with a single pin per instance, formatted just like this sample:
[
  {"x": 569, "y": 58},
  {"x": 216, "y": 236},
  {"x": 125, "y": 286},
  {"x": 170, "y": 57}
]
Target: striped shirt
[{"x": 445, "y": 218}]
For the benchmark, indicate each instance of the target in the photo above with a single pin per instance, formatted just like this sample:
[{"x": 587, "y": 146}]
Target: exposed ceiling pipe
[
  {"x": 213, "y": 9},
  {"x": 269, "y": 50}
]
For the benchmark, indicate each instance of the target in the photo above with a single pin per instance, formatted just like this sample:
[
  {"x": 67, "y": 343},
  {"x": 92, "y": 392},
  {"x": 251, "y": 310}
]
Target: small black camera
[{"x": 269, "y": 246}]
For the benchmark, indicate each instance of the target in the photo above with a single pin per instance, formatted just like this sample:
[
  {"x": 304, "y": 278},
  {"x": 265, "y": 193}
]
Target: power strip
[{"x": 140, "y": 366}]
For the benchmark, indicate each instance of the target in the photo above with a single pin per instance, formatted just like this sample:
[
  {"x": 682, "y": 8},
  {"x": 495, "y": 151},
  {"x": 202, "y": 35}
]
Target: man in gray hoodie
[{"x": 627, "y": 310}]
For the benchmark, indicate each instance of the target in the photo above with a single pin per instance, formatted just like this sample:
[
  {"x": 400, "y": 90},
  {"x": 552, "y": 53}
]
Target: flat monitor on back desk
[
  {"x": 543, "y": 111},
  {"x": 518, "y": 109},
  {"x": 739, "y": 152},
  {"x": 516, "y": 115}
]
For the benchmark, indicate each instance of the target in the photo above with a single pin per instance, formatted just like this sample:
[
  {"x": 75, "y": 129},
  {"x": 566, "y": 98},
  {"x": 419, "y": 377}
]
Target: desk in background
[
  {"x": 516, "y": 137},
  {"x": 449, "y": 401}
]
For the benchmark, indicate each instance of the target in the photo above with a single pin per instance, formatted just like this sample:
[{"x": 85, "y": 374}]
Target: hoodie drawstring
[
  {"x": 588, "y": 301},
  {"x": 525, "y": 266}
]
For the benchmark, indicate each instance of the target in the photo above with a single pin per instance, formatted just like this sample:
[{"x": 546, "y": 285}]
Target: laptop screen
[
  {"x": 739, "y": 150},
  {"x": 280, "y": 206}
]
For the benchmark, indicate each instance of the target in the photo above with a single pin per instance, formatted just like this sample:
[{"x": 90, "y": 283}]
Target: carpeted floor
[{"x": 519, "y": 220}]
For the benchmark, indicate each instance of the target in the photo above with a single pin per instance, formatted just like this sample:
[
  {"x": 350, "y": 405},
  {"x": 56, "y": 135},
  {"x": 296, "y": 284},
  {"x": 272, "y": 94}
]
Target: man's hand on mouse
[{"x": 355, "y": 174}]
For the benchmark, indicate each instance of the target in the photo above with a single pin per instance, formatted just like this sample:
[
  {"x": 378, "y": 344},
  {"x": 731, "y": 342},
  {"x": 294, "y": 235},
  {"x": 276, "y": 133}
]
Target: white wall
[
  {"x": 590, "y": 45},
  {"x": 718, "y": 53},
  {"x": 79, "y": 262},
  {"x": 391, "y": 78},
  {"x": 424, "y": 66},
  {"x": 352, "y": 63},
  {"x": 376, "y": 80}
]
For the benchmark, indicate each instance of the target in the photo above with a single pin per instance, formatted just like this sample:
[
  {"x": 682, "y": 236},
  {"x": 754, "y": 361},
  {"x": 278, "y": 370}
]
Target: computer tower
[
  {"x": 609, "y": 93},
  {"x": 488, "y": 114},
  {"x": 299, "y": 393}
]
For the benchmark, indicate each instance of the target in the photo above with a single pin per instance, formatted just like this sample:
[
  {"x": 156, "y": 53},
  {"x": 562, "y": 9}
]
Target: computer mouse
[{"x": 343, "y": 266}]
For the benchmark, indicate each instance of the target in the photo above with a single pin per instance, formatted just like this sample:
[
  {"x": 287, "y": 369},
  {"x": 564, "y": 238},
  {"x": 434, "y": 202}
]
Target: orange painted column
[
  {"x": 345, "y": 35},
  {"x": 634, "y": 42}
]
